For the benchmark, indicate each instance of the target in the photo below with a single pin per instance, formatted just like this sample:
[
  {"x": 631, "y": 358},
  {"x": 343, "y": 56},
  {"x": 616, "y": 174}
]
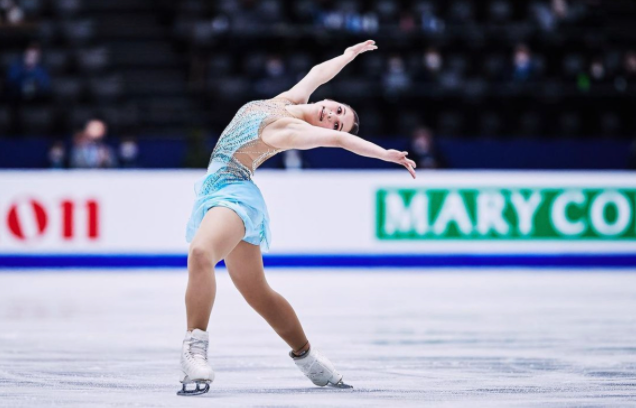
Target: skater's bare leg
[
  {"x": 245, "y": 266},
  {"x": 220, "y": 231}
]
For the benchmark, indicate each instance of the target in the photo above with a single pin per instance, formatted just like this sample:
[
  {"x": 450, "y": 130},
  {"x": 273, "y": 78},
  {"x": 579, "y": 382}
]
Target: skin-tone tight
[{"x": 220, "y": 237}]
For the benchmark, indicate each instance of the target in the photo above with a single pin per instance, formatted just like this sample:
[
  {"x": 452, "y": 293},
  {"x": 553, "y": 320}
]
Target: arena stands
[{"x": 486, "y": 74}]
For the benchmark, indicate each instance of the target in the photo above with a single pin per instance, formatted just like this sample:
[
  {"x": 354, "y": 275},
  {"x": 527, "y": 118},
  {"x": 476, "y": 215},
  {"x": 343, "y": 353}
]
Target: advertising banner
[
  {"x": 506, "y": 214},
  {"x": 357, "y": 218}
]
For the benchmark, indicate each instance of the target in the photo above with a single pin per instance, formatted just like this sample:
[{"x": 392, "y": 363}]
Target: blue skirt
[{"x": 245, "y": 199}]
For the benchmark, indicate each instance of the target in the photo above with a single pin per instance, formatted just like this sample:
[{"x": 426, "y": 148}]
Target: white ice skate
[
  {"x": 194, "y": 363},
  {"x": 319, "y": 369}
]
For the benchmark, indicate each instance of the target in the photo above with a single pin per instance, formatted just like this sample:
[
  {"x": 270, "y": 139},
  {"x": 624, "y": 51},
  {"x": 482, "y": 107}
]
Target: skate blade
[
  {"x": 340, "y": 385},
  {"x": 201, "y": 388}
]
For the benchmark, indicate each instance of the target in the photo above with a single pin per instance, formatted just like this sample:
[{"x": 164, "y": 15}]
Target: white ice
[{"x": 470, "y": 338}]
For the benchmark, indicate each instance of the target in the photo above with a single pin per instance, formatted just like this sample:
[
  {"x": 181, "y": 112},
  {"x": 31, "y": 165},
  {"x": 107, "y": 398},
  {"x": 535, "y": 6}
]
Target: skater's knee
[{"x": 201, "y": 258}]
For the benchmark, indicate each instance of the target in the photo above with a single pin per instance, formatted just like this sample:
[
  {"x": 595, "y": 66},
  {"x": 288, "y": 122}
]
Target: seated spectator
[
  {"x": 10, "y": 12},
  {"x": 627, "y": 72},
  {"x": 432, "y": 65},
  {"x": 128, "y": 153},
  {"x": 560, "y": 9},
  {"x": 89, "y": 150},
  {"x": 274, "y": 79},
  {"x": 396, "y": 78},
  {"x": 293, "y": 160},
  {"x": 370, "y": 22},
  {"x": 57, "y": 156},
  {"x": 629, "y": 66},
  {"x": 598, "y": 73},
  {"x": 331, "y": 20},
  {"x": 407, "y": 22},
  {"x": 27, "y": 79},
  {"x": 423, "y": 151},
  {"x": 523, "y": 69},
  {"x": 274, "y": 67},
  {"x": 430, "y": 22}
]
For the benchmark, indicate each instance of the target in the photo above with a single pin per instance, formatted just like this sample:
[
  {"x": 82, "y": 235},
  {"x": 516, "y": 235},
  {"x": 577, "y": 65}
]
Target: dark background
[{"x": 167, "y": 76}]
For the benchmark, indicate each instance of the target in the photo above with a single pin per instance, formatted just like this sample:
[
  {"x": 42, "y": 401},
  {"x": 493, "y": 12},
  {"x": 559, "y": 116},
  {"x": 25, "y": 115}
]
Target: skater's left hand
[
  {"x": 400, "y": 158},
  {"x": 357, "y": 49}
]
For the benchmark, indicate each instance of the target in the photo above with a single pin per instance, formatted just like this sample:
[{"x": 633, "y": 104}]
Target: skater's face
[{"x": 334, "y": 115}]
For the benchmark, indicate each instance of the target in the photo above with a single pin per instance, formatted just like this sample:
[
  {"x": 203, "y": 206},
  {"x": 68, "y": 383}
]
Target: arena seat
[
  {"x": 68, "y": 89},
  {"x": 36, "y": 120},
  {"x": 92, "y": 60},
  {"x": 106, "y": 89}
]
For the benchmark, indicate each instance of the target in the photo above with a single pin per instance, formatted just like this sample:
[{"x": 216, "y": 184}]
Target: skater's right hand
[
  {"x": 357, "y": 49},
  {"x": 395, "y": 156}
]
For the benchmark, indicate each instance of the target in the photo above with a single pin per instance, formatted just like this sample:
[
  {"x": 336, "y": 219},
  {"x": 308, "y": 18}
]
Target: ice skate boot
[
  {"x": 194, "y": 363},
  {"x": 319, "y": 369}
]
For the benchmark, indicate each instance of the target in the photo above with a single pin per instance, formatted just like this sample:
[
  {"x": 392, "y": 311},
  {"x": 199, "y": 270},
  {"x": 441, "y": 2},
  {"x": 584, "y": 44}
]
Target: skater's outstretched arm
[
  {"x": 303, "y": 136},
  {"x": 325, "y": 72}
]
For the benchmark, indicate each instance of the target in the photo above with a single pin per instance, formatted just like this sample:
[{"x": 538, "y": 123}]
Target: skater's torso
[{"x": 241, "y": 148}]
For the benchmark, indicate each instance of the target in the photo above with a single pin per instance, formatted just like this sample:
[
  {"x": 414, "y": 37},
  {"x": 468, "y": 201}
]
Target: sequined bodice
[{"x": 241, "y": 149}]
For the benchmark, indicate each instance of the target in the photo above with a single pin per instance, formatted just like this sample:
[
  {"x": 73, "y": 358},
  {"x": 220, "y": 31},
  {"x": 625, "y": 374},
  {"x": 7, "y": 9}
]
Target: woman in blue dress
[{"x": 229, "y": 220}]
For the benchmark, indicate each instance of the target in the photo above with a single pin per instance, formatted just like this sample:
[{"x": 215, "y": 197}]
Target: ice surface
[{"x": 445, "y": 338}]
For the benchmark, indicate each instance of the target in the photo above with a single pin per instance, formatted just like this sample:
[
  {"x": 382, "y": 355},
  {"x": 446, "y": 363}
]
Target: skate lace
[{"x": 199, "y": 349}]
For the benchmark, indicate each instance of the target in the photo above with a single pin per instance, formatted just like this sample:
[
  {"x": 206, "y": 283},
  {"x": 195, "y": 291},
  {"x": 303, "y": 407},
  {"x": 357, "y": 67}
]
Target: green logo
[{"x": 506, "y": 214}]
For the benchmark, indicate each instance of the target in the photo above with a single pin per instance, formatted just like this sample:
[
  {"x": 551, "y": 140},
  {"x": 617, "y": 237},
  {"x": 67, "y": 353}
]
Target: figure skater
[{"x": 229, "y": 220}]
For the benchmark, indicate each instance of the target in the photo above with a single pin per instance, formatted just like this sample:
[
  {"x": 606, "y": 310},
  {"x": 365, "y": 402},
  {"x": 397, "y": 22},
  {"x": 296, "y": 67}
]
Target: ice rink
[{"x": 470, "y": 338}]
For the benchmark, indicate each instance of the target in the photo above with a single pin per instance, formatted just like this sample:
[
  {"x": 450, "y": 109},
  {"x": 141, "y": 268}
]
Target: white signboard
[{"x": 328, "y": 212}]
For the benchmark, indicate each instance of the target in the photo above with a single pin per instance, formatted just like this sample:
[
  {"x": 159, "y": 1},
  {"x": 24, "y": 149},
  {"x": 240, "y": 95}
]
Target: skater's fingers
[{"x": 410, "y": 169}]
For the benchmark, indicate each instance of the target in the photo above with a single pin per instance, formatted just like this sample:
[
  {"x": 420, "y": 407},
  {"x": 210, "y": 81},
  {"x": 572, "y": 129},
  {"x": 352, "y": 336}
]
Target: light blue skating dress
[{"x": 228, "y": 182}]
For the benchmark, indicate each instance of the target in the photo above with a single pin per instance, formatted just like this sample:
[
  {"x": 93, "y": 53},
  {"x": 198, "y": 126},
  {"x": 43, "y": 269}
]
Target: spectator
[
  {"x": 629, "y": 66},
  {"x": 26, "y": 79},
  {"x": 89, "y": 150},
  {"x": 396, "y": 78},
  {"x": 128, "y": 153},
  {"x": 274, "y": 79},
  {"x": 423, "y": 150},
  {"x": 293, "y": 160},
  {"x": 432, "y": 64},
  {"x": 598, "y": 73},
  {"x": 331, "y": 20},
  {"x": 558, "y": 12},
  {"x": 523, "y": 65},
  {"x": 274, "y": 67},
  {"x": 370, "y": 23},
  {"x": 544, "y": 17},
  {"x": 353, "y": 22},
  {"x": 57, "y": 156},
  {"x": 430, "y": 23},
  {"x": 560, "y": 9},
  {"x": 407, "y": 22},
  {"x": 11, "y": 12}
]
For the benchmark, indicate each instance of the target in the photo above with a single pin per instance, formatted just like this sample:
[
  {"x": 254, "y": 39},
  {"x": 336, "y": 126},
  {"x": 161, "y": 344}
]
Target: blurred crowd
[
  {"x": 445, "y": 56},
  {"x": 89, "y": 150},
  {"x": 494, "y": 69}
]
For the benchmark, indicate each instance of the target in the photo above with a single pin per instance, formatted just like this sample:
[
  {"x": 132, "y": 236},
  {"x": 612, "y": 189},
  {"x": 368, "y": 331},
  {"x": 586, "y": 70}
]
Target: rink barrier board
[
  {"x": 96, "y": 261},
  {"x": 357, "y": 218}
]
